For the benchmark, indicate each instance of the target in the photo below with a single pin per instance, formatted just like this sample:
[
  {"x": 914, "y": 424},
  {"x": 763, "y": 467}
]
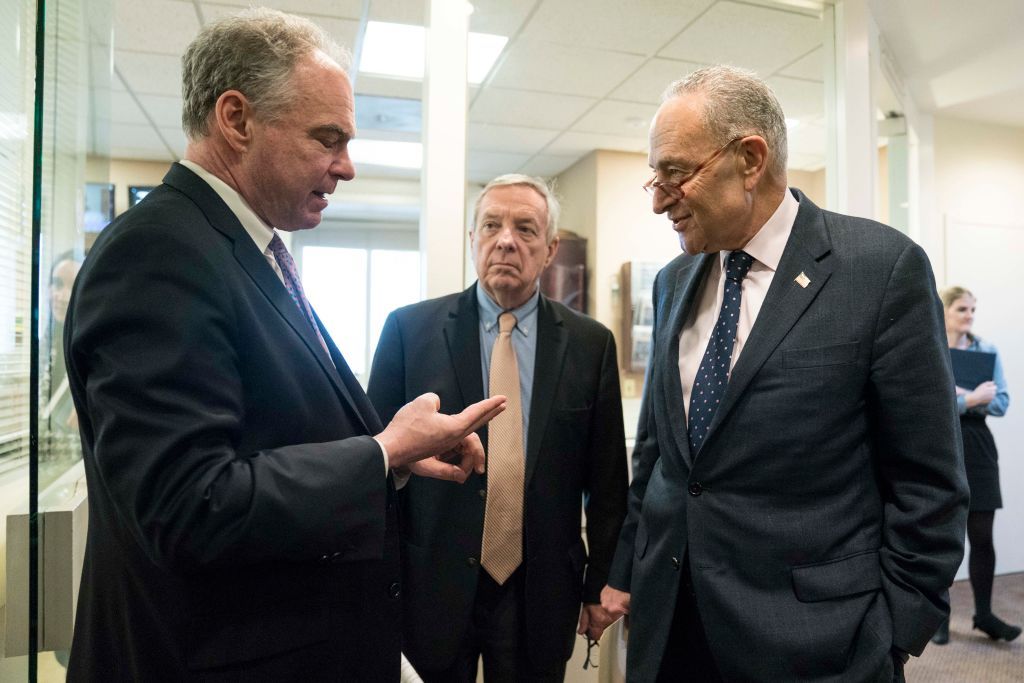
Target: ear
[
  {"x": 753, "y": 160},
  {"x": 233, "y": 118},
  {"x": 552, "y": 250}
]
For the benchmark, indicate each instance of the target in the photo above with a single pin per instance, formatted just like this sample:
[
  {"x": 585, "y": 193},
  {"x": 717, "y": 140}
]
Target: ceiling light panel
[{"x": 398, "y": 50}]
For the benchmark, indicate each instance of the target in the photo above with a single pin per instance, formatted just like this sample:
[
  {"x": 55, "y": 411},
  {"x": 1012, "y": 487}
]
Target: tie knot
[
  {"x": 277, "y": 245},
  {"x": 506, "y": 322},
  {"x": 737, "y": 265}
]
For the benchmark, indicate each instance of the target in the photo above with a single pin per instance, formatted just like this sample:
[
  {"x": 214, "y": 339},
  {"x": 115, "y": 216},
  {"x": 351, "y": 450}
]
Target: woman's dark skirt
[{"x": 982, "y": 463}]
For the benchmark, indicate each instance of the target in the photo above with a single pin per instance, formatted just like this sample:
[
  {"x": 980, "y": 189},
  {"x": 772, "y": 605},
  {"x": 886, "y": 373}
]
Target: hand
[
  {"x": 419, "y": 431},
  {"x": 960, "y": 391},
  {"x": 982, "y": 395},
  {"x": 615, "y": 602},
  {"x": 594, "y": 619},
  {"x": 468, "y": 456}
]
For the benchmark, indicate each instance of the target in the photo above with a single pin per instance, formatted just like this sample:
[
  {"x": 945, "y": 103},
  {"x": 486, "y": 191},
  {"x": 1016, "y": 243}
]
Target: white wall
[{"x": 979, "y": 180}]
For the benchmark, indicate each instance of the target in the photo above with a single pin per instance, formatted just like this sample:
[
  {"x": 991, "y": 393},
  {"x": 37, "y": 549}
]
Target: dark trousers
[
  {"x": 687, "y": 655},
  {"x": 496, "y": 633}
]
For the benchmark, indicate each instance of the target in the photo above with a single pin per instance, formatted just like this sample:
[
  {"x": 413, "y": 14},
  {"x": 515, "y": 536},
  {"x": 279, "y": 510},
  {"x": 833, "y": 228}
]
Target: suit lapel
[
  {"x": 462, "y": 333},
  {"x": 688, "y": 281},
  {"x": 552, "y": 341},
  {"x": 806, "y": 252},
  {"x": 255, "y": 265}
]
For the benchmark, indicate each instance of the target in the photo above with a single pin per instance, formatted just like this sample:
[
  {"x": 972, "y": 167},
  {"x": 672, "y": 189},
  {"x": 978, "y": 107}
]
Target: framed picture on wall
[
  {"x": 99, "y": 206},
  {"x": 136, "y": 193}
]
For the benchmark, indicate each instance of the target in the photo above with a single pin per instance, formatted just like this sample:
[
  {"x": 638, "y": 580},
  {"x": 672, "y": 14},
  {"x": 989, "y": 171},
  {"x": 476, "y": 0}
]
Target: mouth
[{"x": 677, "y": 223}]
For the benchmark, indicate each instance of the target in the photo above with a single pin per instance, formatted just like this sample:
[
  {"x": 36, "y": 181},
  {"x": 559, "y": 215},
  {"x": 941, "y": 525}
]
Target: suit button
[
  {"x": 482, "y": 493},
  {"x": 675, "y": 563},
  {"x": 394, "y": 590},
  {"x": 696, "y": 489},
  {"x": 472, "y": 561}
]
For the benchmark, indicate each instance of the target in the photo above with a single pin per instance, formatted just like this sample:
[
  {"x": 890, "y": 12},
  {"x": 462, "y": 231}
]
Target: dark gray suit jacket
[
  {"x": 576, "y": 452},
  {"x": 824, "y": 514},
  {"x": 240, "y": 521}
]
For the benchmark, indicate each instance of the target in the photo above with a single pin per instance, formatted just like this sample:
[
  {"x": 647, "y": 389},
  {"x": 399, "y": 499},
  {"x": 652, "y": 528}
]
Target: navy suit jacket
[
  {"x": 576, "y": 452},
  {"x": 241, "y": 525},
  {"x": 824, "y": 515}
]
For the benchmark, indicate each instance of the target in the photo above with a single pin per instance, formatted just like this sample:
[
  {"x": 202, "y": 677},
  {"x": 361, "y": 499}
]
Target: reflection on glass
[{"x": 59, "y": 443}]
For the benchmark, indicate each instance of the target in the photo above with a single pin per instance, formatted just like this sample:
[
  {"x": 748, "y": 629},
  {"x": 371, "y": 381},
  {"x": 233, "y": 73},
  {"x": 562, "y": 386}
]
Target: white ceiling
[
  {"x": 579, "y": 75},
  {"x": 959, "y": 59}
]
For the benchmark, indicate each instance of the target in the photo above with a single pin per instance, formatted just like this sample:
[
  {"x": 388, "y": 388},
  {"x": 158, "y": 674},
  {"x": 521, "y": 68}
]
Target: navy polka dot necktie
[{"x": 713, "y": 374}]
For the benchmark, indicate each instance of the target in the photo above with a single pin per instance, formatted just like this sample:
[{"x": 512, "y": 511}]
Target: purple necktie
[{"x": 294, "y": 285}]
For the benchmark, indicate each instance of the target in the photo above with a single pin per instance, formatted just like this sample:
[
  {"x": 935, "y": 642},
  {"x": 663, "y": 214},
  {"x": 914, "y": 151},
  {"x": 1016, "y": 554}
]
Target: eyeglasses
[{"x": 675, "y": 190}]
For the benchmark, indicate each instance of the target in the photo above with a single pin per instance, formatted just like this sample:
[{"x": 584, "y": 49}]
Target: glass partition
[{"x": 555, "y": 89}]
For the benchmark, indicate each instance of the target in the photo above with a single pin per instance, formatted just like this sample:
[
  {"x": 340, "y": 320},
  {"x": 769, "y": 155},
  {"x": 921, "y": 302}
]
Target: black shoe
[
  {"x": 995, "y": 628},
  {"x": 941, "y": 636}
]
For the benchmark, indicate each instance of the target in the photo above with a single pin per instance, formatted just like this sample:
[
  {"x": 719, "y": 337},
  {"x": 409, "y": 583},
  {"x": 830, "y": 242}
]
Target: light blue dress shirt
[
  {"x": 997, "y": 407},
  {"x": 524, "y": 343}
]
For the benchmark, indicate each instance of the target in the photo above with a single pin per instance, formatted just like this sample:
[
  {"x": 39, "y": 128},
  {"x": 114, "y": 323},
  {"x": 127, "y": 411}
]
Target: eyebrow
[{"x": 331, "y": 129}]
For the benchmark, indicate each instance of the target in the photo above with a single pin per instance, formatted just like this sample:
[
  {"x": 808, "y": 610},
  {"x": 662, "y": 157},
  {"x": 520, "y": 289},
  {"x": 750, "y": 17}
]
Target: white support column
[
  {"x": 852, "y": 162},
  {"x": 443, "y": 183}
]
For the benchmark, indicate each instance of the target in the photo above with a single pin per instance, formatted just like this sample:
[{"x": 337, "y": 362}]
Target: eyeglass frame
[{"x": 677, "y": 188}]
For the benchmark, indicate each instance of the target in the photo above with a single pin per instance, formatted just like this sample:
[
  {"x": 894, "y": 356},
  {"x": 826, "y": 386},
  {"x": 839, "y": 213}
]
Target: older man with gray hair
[
  {"x": 798, "y": 501},
  {"x": 498, "y": 567},
  {"x": 242, "y": 515}
]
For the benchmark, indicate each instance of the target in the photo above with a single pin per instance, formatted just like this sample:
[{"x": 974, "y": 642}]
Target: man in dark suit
[
  {"x": 242, "y": 523},
  {"x": 798, "y": 501},
  {"x": 520, "y": 610}
]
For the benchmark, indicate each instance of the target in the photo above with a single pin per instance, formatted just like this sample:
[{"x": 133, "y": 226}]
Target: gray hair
[
  {"x": 738, "y": 103},
  {"x": 254, "y": 52},
  {"x": 542, "y": 188}
]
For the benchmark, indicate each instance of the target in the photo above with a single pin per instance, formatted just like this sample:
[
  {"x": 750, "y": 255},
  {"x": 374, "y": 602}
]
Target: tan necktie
[{"x": 503, "y": 516}]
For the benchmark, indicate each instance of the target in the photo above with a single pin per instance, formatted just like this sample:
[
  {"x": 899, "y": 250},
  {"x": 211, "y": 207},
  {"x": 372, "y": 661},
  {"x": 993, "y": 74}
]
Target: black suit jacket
[
  {"x": 824, "y": 514},
  {"x": 576, "y": 451},
  {"x": 238, "y": 506}
]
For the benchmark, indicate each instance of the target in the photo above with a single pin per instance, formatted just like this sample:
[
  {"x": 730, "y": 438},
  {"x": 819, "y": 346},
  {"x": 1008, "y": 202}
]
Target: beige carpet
[{"x": 970, "y": 656}]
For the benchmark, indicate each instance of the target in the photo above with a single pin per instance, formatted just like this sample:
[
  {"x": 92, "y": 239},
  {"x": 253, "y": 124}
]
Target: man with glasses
[
  {"x": 497, "y": 567},
  {"x": 798, "y": 501}
]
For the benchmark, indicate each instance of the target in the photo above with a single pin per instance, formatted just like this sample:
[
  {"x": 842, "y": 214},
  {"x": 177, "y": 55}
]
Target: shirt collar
[
  {"x": 490, "y": 310},
  {"x": 260, "y": 232},
  {"x": 767, "y": 245}
]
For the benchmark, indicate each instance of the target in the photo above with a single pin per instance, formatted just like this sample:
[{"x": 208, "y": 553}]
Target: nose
[
  {"x": 661, "y": 201},
  {"x": 343, "y": 167},
  {"x": 506, "y": 239}
]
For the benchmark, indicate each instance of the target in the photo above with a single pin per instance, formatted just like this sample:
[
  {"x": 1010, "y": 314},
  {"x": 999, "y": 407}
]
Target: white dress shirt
[
  {"x": 260, "y": 232},
  {"x": 766, "y": 247}
]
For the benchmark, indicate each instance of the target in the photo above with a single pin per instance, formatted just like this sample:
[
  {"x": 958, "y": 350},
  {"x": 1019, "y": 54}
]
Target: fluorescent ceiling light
[
  {"x": 398, "y": 50},
  {"x": 386, "y": 153}
]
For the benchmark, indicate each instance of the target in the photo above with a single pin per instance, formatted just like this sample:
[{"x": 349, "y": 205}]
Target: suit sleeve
[
  {"x": 607, "y": 478},
  {"x": 387, "y": 374},
  {"x": 156, "y": 350},
  {"x": 920, "y": 458},
  {"x": 645, "y": 457}
]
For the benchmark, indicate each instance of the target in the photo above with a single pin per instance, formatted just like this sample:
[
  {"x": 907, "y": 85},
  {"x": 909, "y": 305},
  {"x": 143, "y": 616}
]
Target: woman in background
[{"x": 981, "y": 462}]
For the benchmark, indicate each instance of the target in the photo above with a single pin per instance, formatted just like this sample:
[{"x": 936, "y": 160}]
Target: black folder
[{"x": 971, "y": 368}]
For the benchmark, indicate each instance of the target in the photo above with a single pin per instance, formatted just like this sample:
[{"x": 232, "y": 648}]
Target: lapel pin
[{"x": 803, "y": 280}]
